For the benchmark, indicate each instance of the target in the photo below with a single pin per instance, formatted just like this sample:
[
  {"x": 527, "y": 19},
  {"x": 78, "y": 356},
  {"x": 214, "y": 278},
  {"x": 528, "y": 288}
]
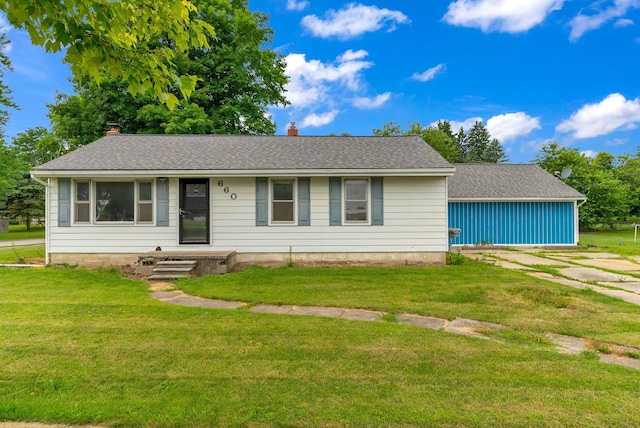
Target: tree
[
  {"x": 240, "y": 79},
  {"x": 117, "y": 38},
  {"x": 438, "y": 139},
  {"x": 476, "y": 142},
  {"x": 36, "y": 146},
  {"x": 26, "y": 201},
  {"x": 9, "y": 170},
  {"x": 5, "y": 92},
  {"x": 607, "y": 197},
  {"x": 25, "y": 197},
  {"x": 494, "y": 152},
  {"x": 627, "y": 170}
]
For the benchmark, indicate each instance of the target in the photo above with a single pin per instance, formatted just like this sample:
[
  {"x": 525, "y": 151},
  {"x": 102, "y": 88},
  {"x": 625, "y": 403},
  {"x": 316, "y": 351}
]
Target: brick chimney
[
  {"x": 292, "y": 131},
  {"x": 114, "y": 129}
]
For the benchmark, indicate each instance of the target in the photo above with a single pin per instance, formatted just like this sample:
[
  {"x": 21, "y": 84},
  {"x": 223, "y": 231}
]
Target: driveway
[{"x": 605, "y": 273}]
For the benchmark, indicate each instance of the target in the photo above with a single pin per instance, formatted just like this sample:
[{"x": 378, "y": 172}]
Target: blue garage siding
[{"x": 513, "y": 223}]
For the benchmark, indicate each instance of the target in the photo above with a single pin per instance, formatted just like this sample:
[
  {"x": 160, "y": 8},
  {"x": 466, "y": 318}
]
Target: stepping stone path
[{"x": 463, "y": 326}]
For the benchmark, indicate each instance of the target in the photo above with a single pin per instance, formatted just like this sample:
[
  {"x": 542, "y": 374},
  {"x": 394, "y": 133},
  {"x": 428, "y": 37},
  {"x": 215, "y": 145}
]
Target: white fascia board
[
  {"x": 516, "y": 199},
  {"x": 440, "y": 172}
]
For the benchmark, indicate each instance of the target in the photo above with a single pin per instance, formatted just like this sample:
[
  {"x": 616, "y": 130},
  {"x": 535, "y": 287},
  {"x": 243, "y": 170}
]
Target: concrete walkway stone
[
  {"x": 529, "y": 259},
  {"x": 568, "y": 344},
  {"x": 349, "y": 314},
  {"x": 593, "y": 274},
  {"x": 611, "y": 264},
  {"x": 633, "y": 287},
  {"x": 422, "y": 321},
  {"x": 469, "y": 327}
]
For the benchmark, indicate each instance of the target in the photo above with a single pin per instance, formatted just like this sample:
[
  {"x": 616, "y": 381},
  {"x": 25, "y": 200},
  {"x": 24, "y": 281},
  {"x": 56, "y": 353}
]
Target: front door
[{"x": 194, "y": 211}]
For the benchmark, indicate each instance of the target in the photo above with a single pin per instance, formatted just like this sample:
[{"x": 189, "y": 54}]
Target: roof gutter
[
  {"x": 436, "y": 172},
  {"x": 38, "y": 180},
  {"x": 530, "y": 199}
]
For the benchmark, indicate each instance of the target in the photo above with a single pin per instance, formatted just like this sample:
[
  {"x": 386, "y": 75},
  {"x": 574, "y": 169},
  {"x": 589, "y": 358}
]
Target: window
[
  {"x": 83, "y": 202},
  {"x": 113, "y": 202},
  {"x": 282, "y": 201},
  {"x": 145, "y": 202},
  {"x": 356, "y": 203}
]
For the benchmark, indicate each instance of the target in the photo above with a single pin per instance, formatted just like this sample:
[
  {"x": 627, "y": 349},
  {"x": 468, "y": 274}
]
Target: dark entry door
[{"x": 194, "y": 211}]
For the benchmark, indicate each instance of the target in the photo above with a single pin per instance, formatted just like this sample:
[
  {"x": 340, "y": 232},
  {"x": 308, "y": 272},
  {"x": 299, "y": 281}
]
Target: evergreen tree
[
  {"x": 494, "y": 153},
  {"x": 476, "y": 143}
]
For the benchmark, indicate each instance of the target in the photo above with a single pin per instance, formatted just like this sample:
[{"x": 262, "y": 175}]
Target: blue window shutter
[
  {"x": 304, "y": 201},
  {"x": 262, "y": 201},
  {"x": 377, "y": 205},
  {"x": 162, "y": 198},
  {"x": 64, "y": 202},
  {"x": 335, "y": 201}
]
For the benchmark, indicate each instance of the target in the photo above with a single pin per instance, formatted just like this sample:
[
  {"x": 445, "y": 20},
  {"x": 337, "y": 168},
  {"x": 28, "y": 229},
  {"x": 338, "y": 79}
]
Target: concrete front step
[
  {"x": 173, "y": 269},
  {"x": 177, "y": 263},
  {"x": 165, "y": 277}
]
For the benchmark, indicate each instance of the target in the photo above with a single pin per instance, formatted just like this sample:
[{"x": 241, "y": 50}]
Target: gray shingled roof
[
  {"x": 245, "y": 152},
  {"x": 505, "y": 181}
]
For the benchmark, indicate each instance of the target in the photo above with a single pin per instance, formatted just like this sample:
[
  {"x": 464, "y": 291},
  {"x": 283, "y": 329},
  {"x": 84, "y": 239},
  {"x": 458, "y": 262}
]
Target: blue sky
[{"x": 532, "y": 71}]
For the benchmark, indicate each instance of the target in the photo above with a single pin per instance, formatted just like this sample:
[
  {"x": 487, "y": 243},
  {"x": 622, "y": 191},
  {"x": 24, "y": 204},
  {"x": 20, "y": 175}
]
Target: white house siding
[
  {"x": 415, "y": 221},
  {"x": 112, "y": 238}
]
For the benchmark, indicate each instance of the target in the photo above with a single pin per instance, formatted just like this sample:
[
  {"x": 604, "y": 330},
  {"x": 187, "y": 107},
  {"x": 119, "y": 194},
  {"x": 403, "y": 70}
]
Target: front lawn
[
  {"x": 19, "y": 231},
  {"x": 472, "y": 290},
  {"x": 25, "y": 254},
  {"x": 84, "y": 347}
]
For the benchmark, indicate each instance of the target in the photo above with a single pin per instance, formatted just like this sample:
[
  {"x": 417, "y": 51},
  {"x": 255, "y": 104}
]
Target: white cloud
[
  {"x": 617, "y": 142},
  {"x": 297, "y": 5},
  {"x": 466, "y": 124},
  {"x": 507, "y": 16},
  {"x": 309, "y": 80},
  {"x": 352, "y": 55},
  {"x": 319, "y": 119},
  {"x": 430, "y": 73},
  {"x": 371, "y": 103},
  {"x": 584, "y": 23},
  {"x": 510, "y": 126},
  {"x": 589, "y": 153},
  {"x": 352, "y": 21},
  {"x": 623, "y": 22},
  {"x": 611, "y": 114}
]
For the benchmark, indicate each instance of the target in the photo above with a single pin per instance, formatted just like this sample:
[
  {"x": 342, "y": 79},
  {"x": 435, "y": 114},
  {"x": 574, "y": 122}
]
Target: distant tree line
[{"x": 474, "y": 146}]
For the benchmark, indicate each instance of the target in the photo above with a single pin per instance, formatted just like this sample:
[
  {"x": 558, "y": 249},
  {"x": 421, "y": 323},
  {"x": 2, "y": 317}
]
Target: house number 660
[{"x": 226, "y": 190}]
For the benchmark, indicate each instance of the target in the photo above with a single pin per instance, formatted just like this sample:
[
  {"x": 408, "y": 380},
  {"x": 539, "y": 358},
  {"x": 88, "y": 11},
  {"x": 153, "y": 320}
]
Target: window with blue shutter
[
  {"x": 377, "y": 203},
  {"x": 262, "y": 201},
  {"x": 64, "y": 202},
  {"x": 304, "y": 201},
  {"x": 335, "y": 201},
  {"x": 162, "y": 196}
]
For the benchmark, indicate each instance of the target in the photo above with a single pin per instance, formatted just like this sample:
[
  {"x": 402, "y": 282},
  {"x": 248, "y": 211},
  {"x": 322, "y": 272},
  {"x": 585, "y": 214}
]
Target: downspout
[
  {"x": 577, "y": 220},
  {"x": 47, "y": 223}
]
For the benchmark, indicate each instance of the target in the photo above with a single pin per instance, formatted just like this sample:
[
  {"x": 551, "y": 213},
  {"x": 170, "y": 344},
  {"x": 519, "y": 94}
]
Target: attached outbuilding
[
  {"x": 512, "y": 204},
  {"x": 264, "y": 198}
]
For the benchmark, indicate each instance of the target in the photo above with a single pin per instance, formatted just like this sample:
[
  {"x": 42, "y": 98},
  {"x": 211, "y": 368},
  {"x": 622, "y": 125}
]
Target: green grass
[
  {"x": 15, "y": 254},
  {"x": 20, "y": 232},
  {"x": 615, "y": 241},
  {"x": 472, "y": 290},
  {"x": 84, "y": 347}
]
